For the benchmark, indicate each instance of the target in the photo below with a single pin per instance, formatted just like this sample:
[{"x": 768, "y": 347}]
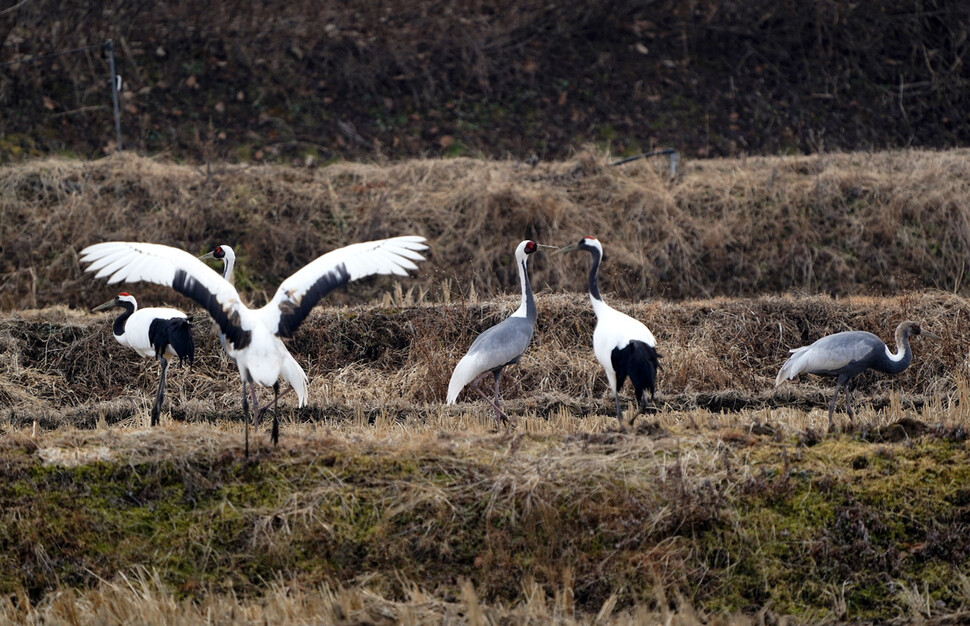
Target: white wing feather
[
  {"x": 385, "y": 256},
  {"x": 153, "y": 263}
]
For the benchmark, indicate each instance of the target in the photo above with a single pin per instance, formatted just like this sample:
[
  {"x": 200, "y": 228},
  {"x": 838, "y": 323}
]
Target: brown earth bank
[
  {"x": 854, "y": 223},
  {"x": 393, "y": 360},
  {"x": 307, "y": 82}
]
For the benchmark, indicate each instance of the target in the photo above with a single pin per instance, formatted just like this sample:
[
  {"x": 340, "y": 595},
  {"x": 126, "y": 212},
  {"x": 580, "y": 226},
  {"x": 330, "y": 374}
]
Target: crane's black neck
[
  {"x": 121, "y": 320},
  {"x": 594, "y": 268}
]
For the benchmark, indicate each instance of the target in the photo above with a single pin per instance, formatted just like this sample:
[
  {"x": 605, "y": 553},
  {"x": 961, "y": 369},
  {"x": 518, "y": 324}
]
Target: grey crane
[
  {"x": 624, "y": 346},
  {"x": 847, "y": 354},
  {"x": 502, "y": 344},
  {"x": 157, "y": 332}
]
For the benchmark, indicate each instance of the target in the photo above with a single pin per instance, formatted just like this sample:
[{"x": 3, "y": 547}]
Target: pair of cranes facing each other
[
  {"x": 625, "y": 347},
  {"x": 253, "y": 337}
]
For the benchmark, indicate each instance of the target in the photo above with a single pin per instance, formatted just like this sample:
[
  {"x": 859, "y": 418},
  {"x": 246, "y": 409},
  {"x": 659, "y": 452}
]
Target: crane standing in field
[
  {"x": 502, "y": 344},
  {"x": 254, "y": 336},
  {"x": 625, "y": 347},
  {"x": 157, "y": 332},
  {"x": 291, "y": 372},
  {"x": 847, "y": 354}
]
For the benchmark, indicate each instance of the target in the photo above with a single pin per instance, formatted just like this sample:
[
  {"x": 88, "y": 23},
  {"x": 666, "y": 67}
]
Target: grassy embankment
[{"x": 381, "y": 504}]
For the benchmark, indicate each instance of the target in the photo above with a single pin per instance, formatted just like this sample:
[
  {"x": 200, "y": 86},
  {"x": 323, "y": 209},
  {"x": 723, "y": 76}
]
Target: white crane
[
  {"x": 291, "y": 371},
  {"x": 254, "y": 336},
  {"x": 157, "y": 332},
  {"x": 625, "y": 347},
  {"x": 847, "y": 354},
  {"x": 502, "y": 344}
]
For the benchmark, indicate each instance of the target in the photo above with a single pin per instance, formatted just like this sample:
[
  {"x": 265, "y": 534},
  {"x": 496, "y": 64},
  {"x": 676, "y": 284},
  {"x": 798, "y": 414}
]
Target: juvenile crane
[
  {"x": 157, "y": 332},
  {"x": 502, "y": 344},
  {"x": 847, "y": 354},
  {"x": 625, "y": 347},
  {"x": 254, "y": 336},
  {"x": 291, "y": 370}
]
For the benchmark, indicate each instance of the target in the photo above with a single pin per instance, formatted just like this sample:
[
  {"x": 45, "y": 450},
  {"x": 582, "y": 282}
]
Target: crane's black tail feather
[
  {"x": 640, "y": 363},
  {"x": 175, "y": 332}
]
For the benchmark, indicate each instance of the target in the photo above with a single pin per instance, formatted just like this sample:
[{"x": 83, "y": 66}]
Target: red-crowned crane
[
  {"x": 625, "y": 347},
  {"x": 847, "y": 354},
  {"x": 254, "y": 336},
  {"x": 291, "y": 371},
  {"x": 157, "y": 332},
  {"x": 502, "y": 344}
]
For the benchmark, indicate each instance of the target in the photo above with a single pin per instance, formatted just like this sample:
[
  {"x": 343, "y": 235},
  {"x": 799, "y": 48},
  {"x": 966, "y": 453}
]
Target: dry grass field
[{"x": 728, "y": 503}]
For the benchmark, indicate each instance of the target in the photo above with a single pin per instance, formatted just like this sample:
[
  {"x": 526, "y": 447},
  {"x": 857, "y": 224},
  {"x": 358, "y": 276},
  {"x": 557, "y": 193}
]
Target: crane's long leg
[
  {"x": 499, "y": 414},
  {"x": 157, "y": 407},
  {"x": 276, "y": 414},
  {"x": 245, "y": 403},
  {"x": 252, "y": 391},
  {"x": 619, "y": 408},
  {"x": 263, "y": 409},
  {"x": 838, "y": 385},
  {"x": 498, "y": 402},
  {"x": 848, "y": 402}
]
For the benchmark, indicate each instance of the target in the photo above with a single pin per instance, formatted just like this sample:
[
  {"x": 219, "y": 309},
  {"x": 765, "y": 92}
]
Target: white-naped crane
[
  {"x": 291, "y": 372},
  {"x": 625, "y": 347},
  {"x": 847, "y": 354},
  {"x": 254, "y": 336},
  {"x": 158, "y": 332},
  {"x": 502, "y": 344}
]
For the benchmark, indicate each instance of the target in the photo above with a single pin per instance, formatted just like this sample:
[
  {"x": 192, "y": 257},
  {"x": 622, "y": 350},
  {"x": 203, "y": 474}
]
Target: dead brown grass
[
  {"x": 833, "y": 223},
  {"x": 62, "y": 366}
]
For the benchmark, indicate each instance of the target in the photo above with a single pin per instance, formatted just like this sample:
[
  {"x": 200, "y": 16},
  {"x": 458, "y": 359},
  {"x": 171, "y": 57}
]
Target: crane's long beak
[
  {"x": 208, "y": 255},
  {"x": 929, "y": 335},
  {"x": 569, "y": 248},
  {"x": 107, "y": 305},
  {"x": 542, "y": 245}
]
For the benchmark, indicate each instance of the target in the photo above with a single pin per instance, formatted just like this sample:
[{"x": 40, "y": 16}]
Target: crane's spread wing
[
  {"x": 299, "y": 293},
  {"x": 163, "y": 265}
]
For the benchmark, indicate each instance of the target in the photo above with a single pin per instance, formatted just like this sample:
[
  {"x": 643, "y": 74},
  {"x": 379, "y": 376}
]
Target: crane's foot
[{"x": 501, "y": 419}]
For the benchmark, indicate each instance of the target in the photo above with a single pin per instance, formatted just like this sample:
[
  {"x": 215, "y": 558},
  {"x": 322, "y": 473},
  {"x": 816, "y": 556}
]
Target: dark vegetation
[{"x": 308, "y": 82}]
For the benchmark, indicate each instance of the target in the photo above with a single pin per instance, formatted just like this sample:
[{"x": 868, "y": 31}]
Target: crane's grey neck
[
  {"x": 119, "y": 326},
  {"x": 895, "y": 363},
  {"x": 594, "y": 268},
  {"x": 528, "y": 307}
]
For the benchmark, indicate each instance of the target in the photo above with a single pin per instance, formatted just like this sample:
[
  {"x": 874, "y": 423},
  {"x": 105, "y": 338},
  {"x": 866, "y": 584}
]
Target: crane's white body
[
  {"x": 253, "y": 335},
  {"x": 624, "y": 347},
  {"x": 290, "y": 371},
  {"x": 614, "y": 331},
  {"x": 158, "y": 332},
  {"x": 136, "y": 330}
]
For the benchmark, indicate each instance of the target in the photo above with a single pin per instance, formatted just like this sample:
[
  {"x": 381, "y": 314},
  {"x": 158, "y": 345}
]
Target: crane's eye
[
  {"x": 219, "y": 253},
  {"x": 530, "y": 247}
]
